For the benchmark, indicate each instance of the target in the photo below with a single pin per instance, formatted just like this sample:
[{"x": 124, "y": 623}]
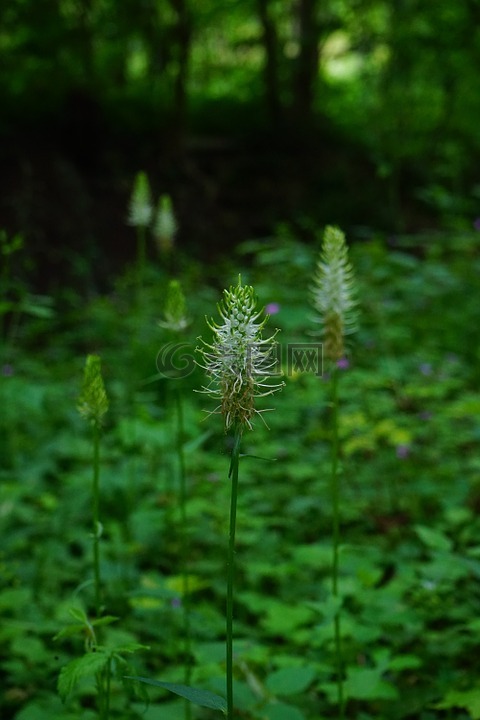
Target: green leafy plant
[
  {"x": 92, "y": 405},
  {"x": 139, "y": 216},
  {"x": 176, "y": 320},
  {"x": 334, "y": 302},
  {"x": 409, "y": 492},
  {"x": 238, "y": 362}
]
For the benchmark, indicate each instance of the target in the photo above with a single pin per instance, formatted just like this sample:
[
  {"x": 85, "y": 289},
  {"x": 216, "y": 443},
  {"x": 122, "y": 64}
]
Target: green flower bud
[
  {"x": 165, "y": 225},
  {"x": 333, "y": 294},
  {"x": 140, "y": 208},
  {"x": 175, "y": 312},
  {"x": 93, "y": 402}
]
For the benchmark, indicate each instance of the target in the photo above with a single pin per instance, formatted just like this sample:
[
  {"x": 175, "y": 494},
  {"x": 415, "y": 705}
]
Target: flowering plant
[
  {"x": 93, "y": 402},
  {"x": 175, "y": 312},
  {"x": 333, "y": 294},
  {"x": 335, "y": 302},
  {"x": 239, "y": 360},
  {"x": 140, "y": 209},
  {"x": 165, "y": 224}
]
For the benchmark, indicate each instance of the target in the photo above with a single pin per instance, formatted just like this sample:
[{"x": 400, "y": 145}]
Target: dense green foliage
[
  {"x": 409, "y": 561},
  {"x": 253, "y": 124}
]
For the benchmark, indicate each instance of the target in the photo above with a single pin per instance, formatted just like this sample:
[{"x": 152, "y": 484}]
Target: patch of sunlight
[
  {"x": 339, "y": 62},
  {"x": 380, "y": 55},
  {"x": 137, "y": 61},
  {"x": 291, "y": 49}
]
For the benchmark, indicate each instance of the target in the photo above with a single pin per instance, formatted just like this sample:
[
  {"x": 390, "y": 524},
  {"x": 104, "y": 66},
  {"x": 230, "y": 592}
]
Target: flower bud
[
  {"x": 175, "y": 312},
  {"x": 333, "y": 294},
  {"x": 93, "y": 402},
  {"x": 140, "y": 208},
  {"x": 165, "y": 225}
]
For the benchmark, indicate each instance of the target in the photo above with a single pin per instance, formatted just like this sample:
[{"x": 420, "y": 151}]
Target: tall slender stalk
[
  {"x": 103, "y": 678},
  {"x": 238, "y": 363},
  {"x": 335, "y": 490},
  {"x": 233, "y": 476},
  {"x": 92, "y": 405},
  {"x": 176, "y": 320},
  {"x": 333, "y": 296},
  {"x": 108, "y": 679},
  {"x": 140, "y": 269},
  {"x": 96, "y": 518},
  {"x": 140, "y": 216},
  {"x": 184, "y": 547}
]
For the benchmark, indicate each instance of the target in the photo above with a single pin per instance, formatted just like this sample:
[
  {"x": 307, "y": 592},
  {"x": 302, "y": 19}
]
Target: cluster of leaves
[{"x": 409, "y": 565}]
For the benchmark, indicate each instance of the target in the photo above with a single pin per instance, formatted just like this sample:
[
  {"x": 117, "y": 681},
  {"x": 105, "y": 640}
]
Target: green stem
[
  {"x": 108, "y": 671},
  {"x": 184, "y": 546},
  {"x": 141, "y": 254},
  {"x": 4, "y": 284},
  {"x": 233, "y": 475},
  {"x": 103, "y": 692},
  {"x": 96, "y": 518},
  {"x": 335, "y": 489}
]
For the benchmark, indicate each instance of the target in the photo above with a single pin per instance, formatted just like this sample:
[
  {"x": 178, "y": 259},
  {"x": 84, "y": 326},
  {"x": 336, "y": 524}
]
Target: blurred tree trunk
[
  {"x": 305, "y": 78},
  {"x": 183, "y": 39},
  {"x": 82, "y": 39},
  {"x": 272, "y": 84}
]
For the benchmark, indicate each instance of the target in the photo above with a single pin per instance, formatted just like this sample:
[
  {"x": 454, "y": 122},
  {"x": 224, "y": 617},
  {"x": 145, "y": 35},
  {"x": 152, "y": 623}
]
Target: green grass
[{"x": 410, "y": 556}]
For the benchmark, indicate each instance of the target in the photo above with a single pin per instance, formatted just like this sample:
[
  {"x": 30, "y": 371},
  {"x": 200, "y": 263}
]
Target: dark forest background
[
  {"x": 249, "y": 113},
  {"x": 262, "y": 121}
]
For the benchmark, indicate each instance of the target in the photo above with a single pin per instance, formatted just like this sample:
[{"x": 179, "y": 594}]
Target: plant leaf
[
  {"x": 466, "y": 699},
  {"x": 290, "y": 681},
  {"x": 85, "y": 666},
  {"x": 105, "y": 620},
  {"x": 204, "y": 698},
  {"x": 130, "y": 647},
  {"x": 282, "y": 711},
  {"x": 367, "y": 684},
  {"x": 433, "y": 539},
  {"x": 69, "y": 631}
]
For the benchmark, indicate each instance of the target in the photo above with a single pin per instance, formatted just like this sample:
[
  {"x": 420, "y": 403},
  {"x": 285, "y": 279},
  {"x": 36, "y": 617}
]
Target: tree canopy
[{"x": 372, "y": 104}]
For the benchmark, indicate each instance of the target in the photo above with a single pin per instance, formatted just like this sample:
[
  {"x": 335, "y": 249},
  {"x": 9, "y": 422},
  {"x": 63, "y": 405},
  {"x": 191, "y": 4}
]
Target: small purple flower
[
  {"x": 425, "y": 415},
  {"x": 476, "y": 223},
  {"x": 343, "y": 363},
  {"x": 425, "y": 368},
  {"x": 7, "y": 370},
  {"x": 403, "y": 451},
  {"x": 272, "y": 308},
  {"x": 176, "y": 603}
]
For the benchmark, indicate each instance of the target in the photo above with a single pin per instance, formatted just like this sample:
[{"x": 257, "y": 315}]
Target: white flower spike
[
  {"x": 175, "y": 312},
  {"x": 140, "y": 208},
  {"x": 333, "y": 294},
  {"x": 239, "y": 361},
  {"x": 165, "y": 226}
]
